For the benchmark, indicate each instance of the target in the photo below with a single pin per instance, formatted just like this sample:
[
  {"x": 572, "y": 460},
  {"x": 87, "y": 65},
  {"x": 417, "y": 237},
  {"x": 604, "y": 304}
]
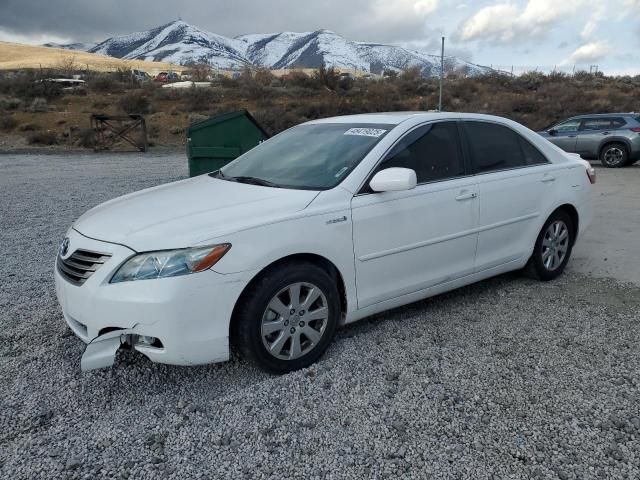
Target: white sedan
[{"x": 324, "y": 224}]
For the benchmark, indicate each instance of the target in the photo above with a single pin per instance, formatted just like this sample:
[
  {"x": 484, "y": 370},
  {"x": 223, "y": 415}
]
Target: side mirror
[
  {"x": 553, "y": 131},
  {"x": 393, "y": 180}
]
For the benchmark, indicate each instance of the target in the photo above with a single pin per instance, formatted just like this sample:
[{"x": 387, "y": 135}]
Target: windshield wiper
[
  {"x": 252, "y": 181},
  {"x": 244, "y": 179}
]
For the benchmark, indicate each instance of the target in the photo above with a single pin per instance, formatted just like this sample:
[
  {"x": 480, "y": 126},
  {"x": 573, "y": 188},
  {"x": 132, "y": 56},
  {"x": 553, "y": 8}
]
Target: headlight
[{"x": 170, "y": 263}]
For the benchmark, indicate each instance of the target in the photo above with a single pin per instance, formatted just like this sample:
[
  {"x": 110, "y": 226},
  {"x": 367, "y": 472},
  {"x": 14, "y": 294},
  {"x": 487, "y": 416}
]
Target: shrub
[
  {"x": 105, "y": 84},
  {"x": 39, "y": 105},
  {"x": 135, "y": 103},
  {"x": 328, "y": 77},
  {"x": 29, "y": 127},
  {"x": 29, "y": 88},
  {"x": 100, "y": 104},
  {"x": 264, "y": 77},
  {"x": 43, "y": 138},
  {"x": 10, "y": 103},
  {"x": 7, "y": 122},
  {"x": 153, "y": 131},
  {"x": 300, "y": 79},
  {"x": 199, "y": 99},
  {"x": 86, "y": 138}
]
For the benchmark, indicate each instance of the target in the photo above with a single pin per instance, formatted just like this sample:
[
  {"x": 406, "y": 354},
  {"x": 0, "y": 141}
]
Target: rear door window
[
  {"x": 494, "y": 147},
  {"x": 595, "y": 124}
]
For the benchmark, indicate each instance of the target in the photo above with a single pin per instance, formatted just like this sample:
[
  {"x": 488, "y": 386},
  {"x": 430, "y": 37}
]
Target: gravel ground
[{"x": 506, "y": 379}]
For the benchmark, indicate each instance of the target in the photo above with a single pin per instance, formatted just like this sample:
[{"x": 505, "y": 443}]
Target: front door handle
[
  {"x": 466, "y": 196},
  {"x": 548, "y": 178}
]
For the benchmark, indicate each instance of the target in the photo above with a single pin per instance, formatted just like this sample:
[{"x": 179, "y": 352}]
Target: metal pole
[{"x": 441, "y": 75}]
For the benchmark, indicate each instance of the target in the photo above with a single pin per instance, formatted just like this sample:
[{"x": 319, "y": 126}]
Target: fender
[{"x": 614, "y": 139}]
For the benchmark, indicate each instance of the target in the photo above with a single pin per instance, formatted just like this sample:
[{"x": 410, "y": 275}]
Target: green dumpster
[{"x": 214, "y": 142}]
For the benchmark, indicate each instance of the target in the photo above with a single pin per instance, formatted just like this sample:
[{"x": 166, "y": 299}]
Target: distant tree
[
  {"x": 329, "y": 77},
  {"x": 67, "y": 66},
  {"x": 200, "y": 71}
]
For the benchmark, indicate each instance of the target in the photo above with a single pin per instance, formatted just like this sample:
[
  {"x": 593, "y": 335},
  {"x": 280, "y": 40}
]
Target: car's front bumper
[{"x": 189, "y": 315}]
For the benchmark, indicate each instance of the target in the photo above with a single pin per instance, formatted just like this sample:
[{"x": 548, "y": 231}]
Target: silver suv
[{"x": 614, "y": 138}]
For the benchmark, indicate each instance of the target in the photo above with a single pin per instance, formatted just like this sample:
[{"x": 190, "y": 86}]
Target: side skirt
[{"x": 432, "y": 291}]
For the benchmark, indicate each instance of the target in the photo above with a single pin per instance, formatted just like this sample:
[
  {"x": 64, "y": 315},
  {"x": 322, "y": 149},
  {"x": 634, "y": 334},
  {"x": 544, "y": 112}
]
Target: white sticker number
[{"x": 365, "y": 132}]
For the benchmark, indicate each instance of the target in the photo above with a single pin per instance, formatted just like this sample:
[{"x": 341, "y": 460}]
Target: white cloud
[
  {"x": 33, "y": 39},
  {"x": 400, "y": 10},
  {"x": 494, "y": 21},
  {"x": 598, "y": 14},
  {"x": 589, "y": 52},
  {"x": 504, "y": 22}
]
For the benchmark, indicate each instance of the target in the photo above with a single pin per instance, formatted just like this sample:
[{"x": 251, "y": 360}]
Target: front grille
[{"x": 81, "y": 265}]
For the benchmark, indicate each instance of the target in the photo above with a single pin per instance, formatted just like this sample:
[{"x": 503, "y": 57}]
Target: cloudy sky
[{"x": 524, "y": 33}]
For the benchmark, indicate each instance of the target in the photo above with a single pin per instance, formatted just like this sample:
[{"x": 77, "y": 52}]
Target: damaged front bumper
[
  {"x": 101, "y": 352},
  {"x": 177, "y": 320}
]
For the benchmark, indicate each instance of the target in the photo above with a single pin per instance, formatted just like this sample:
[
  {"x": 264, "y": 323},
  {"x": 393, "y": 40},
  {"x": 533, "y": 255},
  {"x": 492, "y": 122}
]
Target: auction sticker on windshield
[{"x": 366, "y": 132}]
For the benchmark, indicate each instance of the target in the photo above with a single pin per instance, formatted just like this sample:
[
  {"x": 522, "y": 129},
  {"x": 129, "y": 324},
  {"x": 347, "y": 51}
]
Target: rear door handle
[
  {"x": 548, "y": 178},
  {"x": 466, "y": 196}
]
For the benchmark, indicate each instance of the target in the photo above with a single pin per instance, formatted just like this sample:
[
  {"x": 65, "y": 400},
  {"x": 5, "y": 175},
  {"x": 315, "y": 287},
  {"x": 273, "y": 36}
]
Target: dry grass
[{"x": 15, "y": 56}]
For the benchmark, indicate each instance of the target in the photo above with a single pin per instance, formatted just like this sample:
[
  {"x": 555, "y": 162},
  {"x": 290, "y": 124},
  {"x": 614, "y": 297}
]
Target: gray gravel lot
[{"x": 506, "y": 379}]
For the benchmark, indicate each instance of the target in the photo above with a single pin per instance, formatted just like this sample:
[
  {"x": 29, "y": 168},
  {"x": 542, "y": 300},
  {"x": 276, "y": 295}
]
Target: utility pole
[{"x": 441, "y": 75}]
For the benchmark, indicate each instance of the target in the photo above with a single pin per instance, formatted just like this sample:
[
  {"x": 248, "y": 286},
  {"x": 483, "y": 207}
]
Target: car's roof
[
  {"x": 395, "y": 118},
  {"x": 625, "y": 114}
]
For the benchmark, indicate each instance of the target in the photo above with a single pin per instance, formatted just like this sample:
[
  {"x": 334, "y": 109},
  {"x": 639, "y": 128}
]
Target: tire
[
  {"x": 545, "y": 266},
  {"x": 614, "y": 155},
  {"x": 269, "y": 307}
]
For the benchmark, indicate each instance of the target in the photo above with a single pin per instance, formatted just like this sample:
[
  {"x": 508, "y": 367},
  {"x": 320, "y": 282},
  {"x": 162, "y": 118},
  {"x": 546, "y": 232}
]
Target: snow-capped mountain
[
  {"x": 179, "y": 42},
  {"x": 176, "y": 42}
]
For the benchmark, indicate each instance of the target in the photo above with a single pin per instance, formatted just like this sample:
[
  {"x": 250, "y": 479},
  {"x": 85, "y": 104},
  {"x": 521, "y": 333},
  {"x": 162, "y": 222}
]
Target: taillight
[
  {"x": 591, "y": 173},
  {"x": 637, "y": 130}
]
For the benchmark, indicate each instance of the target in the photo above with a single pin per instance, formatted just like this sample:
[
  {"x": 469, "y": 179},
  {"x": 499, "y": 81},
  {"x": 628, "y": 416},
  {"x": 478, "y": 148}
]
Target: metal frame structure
[{"x": 121, "y": 126}]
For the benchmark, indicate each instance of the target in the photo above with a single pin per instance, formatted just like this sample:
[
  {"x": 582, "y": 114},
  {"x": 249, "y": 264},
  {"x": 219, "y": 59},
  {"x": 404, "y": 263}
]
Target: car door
[
  {"x": 408, "y": 241},
  {"x": 565, "y": 135},
  {"x": 590, "y": 135},
  {"x": 514, "y": 180}
]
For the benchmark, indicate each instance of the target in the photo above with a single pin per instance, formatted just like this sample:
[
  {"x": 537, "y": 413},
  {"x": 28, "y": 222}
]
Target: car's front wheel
[
  {"x": 553, "y": 248},
  {"x": 287, "y": 318},
  {"x": 614, "y": 155}
]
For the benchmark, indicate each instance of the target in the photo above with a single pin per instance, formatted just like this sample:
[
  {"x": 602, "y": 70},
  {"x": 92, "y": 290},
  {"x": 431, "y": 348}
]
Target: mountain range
[{"x": 182, "y": 43}]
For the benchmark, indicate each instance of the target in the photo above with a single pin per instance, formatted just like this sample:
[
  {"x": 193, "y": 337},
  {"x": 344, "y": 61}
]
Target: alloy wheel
[
  {"x": 294, "y": 321},
  {"x": 613, "y": 156},
  {"x": 555, "y": 245}
]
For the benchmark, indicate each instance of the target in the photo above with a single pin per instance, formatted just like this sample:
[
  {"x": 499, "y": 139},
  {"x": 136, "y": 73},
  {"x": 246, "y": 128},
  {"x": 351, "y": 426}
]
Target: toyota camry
[{"x": 322, "y": 225}]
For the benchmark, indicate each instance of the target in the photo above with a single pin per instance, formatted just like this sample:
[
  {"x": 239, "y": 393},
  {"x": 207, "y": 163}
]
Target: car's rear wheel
[
  {"x": 287, "y": 318},
  {"x": 614, "y": 155},
  {"x": 553, "y": 248}
]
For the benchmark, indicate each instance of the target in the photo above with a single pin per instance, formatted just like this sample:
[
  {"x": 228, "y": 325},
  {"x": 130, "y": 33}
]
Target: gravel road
[{"x": 506, "y": 379}]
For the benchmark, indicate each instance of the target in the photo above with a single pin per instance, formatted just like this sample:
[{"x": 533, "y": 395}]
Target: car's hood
[{"x": 188, "y": 212}]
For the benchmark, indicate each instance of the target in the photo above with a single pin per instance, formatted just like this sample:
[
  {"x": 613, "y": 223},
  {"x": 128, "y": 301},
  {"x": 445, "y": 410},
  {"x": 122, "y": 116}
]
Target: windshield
[{"x": 314, "y": 157}]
